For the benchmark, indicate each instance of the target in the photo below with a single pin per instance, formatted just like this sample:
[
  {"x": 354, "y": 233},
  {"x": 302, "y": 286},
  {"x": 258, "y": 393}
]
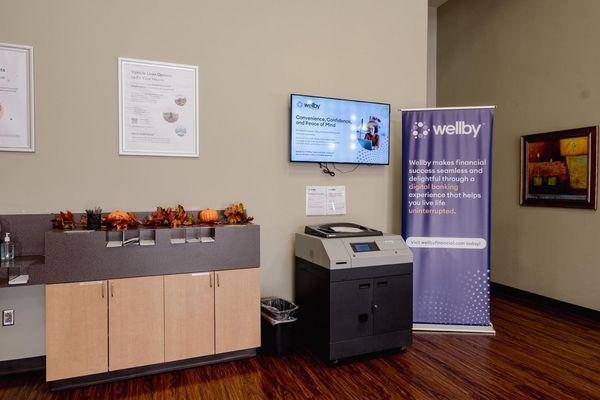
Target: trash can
[{"x": 277, "y": 325}]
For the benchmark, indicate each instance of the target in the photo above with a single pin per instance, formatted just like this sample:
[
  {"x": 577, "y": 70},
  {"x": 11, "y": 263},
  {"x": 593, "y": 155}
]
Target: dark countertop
[
  {"x": 53, "y": 256},
  {"x": 84, "y": 256},
  {"x": 32, "y": 265}
]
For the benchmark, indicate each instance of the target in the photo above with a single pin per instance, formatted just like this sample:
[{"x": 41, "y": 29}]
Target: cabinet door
[
  {"x": 237, "y": 309},
  {"x": 76, "y": 329},
  {"x": 136, "y": 322},
  {"x": 392, "y": 303},
  {"x": 351, "y": 314},
  {"x": 189, "y": 316}
]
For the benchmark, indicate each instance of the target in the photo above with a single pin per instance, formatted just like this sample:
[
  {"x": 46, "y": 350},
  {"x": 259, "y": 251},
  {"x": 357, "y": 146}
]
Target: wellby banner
[{"x": 446, "y": 175}]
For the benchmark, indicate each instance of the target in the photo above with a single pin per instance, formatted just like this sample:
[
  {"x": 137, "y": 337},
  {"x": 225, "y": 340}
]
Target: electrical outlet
[{"x": 8, "y": 317}]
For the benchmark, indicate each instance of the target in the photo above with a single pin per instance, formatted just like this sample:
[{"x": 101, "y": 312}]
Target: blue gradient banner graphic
[{"x": 446, "y": 212}]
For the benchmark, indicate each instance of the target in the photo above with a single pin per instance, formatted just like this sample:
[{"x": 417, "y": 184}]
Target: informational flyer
[
  {"x": 16, "y": 98},
  {"x": 316, "y": 200},
  {"x": 336, "y": 200},
  {"x": 325, "y": 200},
  {"x": 158, "y": 108}
]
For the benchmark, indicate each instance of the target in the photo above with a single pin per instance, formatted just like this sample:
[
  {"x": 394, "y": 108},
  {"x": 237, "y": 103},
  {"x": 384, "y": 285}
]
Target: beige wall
[
  {"x": 537, "y": 60},
  {"x": 431, "y": 56},
  {"x": 251, "y": 56}
]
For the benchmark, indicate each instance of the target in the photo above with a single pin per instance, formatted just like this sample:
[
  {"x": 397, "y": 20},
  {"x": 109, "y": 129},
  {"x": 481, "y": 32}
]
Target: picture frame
[
  {"x": 158, "y": 108},
  {"x": 17, "y": 98},
  {"x": 560, "y": 168}
]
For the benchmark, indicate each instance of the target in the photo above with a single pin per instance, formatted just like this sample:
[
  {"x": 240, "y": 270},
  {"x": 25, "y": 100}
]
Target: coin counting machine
[{"x": 354, "y": 289}]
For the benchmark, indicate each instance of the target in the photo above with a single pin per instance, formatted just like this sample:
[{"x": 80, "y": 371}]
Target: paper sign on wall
[
  {"x": 158, "y": 108},
  {"x": 325, "y": 200},
  {"x": 16, "y": 98}
]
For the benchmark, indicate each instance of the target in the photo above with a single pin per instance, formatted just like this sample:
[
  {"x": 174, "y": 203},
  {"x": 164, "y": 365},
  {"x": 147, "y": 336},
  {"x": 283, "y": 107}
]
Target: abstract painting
[{"x": 558, "y": 169}]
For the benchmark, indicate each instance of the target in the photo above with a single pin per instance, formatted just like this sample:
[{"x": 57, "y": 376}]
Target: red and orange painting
[{"x": 558, "y": 169}]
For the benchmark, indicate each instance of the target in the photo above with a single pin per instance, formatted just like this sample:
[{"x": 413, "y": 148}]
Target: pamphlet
[{"x": 325, "y": 200}]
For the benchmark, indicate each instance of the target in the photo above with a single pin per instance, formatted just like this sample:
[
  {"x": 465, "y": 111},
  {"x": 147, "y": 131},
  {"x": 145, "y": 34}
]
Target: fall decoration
[
  {"x": 121, "y": 220},
  {"x": 236, "y": 214},
  {"x": 157, "y": 218},
  {"x": 170, "y": 217},
  {"x": 209, "y": 216},
  {"x": 190, "y": 220},
  {"x": 63, "y": 220}
]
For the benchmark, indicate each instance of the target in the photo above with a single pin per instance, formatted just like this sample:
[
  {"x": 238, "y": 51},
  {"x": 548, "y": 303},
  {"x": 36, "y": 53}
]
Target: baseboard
[
  {"x": 539, "y": 300},
  {"x": 137, "y": 372},
  {"x": 20, "y": 365}
]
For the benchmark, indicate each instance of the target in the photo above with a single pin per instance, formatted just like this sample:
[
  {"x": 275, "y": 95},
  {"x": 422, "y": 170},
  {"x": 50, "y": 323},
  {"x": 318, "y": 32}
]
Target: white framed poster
[
  {"x": 158, "y": 108},
  {"x": 16, "y": 98}
]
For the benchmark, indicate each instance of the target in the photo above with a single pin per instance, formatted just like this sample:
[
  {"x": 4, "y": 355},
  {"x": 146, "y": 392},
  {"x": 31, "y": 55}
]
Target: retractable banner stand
[{"x": 446, "y": 215}]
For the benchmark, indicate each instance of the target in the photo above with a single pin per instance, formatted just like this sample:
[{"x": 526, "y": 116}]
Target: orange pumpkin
[{"x": 209, "y": 215}]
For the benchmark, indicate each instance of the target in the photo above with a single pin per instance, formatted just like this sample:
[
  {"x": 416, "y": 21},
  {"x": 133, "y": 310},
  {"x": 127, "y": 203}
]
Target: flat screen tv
[{"x": 329, "y": 130}]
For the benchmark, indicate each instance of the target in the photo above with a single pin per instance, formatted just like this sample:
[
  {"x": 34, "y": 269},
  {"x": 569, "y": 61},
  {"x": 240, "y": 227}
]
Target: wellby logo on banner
[
  {"x": 421, "y": 130},
  {"x": 446, "y": 171}
]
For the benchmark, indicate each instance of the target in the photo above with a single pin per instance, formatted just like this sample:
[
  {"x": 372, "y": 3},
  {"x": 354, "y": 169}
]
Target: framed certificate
[
  {"x": 16, "y": 98},
  {"x": 158, "y": 109}
]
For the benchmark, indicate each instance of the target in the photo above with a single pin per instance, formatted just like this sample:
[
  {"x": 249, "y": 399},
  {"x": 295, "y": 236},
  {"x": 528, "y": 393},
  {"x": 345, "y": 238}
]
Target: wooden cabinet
[
  {"x": 136, "y": 322},
  {"x": 76, "y": 329},
  {"x": 189, "y": 315},
  {"x": 237, "y": 309},
  {"x": 95, "y": 327}
]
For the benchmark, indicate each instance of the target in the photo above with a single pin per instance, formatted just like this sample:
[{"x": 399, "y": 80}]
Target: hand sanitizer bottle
[{"x": 7, "y": 250}]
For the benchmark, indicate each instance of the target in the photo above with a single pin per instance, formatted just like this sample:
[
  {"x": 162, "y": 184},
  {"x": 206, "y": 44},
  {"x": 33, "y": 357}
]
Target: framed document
[
  {"x": 16, "y": 98},
  {"x": 158, "y": 109}
]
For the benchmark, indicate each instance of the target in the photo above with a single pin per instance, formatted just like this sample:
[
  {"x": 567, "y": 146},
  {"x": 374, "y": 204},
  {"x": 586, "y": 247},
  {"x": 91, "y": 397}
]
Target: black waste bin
[{"x": 277, "y": 325}]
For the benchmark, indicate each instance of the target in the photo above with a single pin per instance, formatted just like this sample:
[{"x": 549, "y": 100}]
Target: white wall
[{"x": 251, "y": 56}]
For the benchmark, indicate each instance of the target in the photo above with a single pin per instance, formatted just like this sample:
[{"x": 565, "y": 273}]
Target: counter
[{"x": 203, "y": 280}]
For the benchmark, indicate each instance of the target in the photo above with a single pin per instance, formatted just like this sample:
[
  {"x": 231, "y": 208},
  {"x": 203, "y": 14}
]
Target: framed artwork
[
  {"x": 559, "y": 169},
  {"x": 158, "y": 108},
  {"x": 16, "y": 98}
]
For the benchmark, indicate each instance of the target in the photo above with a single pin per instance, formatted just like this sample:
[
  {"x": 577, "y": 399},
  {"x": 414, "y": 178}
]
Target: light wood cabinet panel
[
  {"x": 136, "y": 322},
  {"x": 76, "y": 329},
  {"x": 189, "y": 315},
  {"x": 237, "y": 309}
]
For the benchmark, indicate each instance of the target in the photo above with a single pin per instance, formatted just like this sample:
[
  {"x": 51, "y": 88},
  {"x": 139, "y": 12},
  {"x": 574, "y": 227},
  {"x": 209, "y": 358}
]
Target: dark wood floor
[{"x": 538, "y": 353}]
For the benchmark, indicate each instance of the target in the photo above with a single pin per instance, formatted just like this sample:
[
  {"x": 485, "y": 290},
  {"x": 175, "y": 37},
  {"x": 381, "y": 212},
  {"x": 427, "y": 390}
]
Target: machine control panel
[{"x": 363, "y": 247}]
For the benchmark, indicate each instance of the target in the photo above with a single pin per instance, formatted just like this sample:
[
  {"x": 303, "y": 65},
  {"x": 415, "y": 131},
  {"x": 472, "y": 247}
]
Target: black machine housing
[{"x": 354, "y": 311}]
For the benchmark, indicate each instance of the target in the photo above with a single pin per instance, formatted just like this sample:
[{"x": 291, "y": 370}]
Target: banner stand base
[{"x": 468, "y": 329}]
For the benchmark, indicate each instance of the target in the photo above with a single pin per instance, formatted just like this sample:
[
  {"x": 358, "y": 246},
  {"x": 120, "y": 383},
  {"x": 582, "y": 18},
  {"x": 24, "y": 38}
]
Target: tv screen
[{"x": 328, "y": 130}]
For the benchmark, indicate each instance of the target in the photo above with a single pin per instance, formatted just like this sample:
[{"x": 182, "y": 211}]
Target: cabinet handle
[
  {"x": 218, "y": 282},
  {"x": 112, "y": 290},
  {"x": 103, "y": 288},
  {"x": 210, "y": 280}
]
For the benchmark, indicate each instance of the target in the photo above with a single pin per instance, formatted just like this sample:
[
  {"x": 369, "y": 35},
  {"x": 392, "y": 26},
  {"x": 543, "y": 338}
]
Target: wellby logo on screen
[
  {"x": 421, "y": 130},
  {"x": 308, "y": 104}
]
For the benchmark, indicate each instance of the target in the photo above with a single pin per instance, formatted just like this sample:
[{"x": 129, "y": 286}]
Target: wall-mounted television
[{"x": 329, "y": 130}]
